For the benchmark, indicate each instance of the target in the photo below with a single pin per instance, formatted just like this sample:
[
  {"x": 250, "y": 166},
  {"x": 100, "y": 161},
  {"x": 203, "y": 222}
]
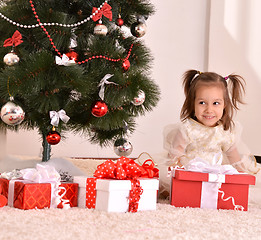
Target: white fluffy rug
[{"x": 167, "y": 222}]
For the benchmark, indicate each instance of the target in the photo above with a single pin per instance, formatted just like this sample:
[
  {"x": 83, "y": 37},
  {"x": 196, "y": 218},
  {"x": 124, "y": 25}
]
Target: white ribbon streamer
[
  {"x": 56, "y": 116},
  {"x": 65, "y": 60},
  {"x": 102, "y": 85}
]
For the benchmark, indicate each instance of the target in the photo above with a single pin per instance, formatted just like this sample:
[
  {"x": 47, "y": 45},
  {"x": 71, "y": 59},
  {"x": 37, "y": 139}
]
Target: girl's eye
[
  {"x": 216, "y": 103},
  {"x": 201, "y": 102}
]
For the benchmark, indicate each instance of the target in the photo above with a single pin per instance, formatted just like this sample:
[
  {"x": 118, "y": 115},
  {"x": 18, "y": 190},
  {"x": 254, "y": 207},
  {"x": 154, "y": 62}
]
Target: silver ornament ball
[
  {"x": 122, "y": 147},
  {"x": 100, "y": 29},
  {"x": 139, "y": 99},
  {"x": 11, "y": 59},
  {"x": 12, "y": 114},
  {"x": 138, "y": 29}
]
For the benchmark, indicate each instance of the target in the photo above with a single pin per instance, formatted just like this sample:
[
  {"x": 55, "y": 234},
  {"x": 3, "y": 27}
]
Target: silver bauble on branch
[
  {"x": 122, "y": 147},
  {"x": 138, "y": 29},
  {"x": 139, "y": 99},
  {"x": 12, "y": 114},
  {"x": 11, "y": 59}
]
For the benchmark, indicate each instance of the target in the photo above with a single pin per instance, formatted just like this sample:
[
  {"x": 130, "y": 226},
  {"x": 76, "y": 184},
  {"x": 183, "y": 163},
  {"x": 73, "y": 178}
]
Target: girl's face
[{"x": 209, "y": 105}]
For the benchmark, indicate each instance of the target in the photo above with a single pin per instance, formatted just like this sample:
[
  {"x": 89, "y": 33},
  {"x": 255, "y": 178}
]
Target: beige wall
[
  {"x": 178, "y": 38},
  {"x": 235, "y": 47}
]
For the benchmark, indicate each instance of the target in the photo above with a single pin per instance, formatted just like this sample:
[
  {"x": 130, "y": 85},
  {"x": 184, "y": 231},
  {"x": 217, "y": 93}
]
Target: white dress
[{"x": 190, "y": 139}]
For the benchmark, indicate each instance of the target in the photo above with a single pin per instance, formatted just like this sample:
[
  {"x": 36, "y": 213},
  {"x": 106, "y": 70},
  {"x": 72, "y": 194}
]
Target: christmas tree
[{"x": 75, "y": 65}]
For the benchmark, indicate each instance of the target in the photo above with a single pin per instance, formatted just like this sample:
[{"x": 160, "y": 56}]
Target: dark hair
[{"x": 232, "y": 85}]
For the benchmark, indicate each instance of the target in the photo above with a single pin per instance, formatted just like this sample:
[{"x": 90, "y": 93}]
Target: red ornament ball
[
  {"x": 53, "y": 137},
  {"x": 126, "y": 65},
  {"x": 119, "y": 22},
  {"x": 99, "y": 109}
]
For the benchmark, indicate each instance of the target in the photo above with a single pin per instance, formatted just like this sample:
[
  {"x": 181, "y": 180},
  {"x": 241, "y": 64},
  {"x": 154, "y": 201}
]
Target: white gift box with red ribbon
[
  {"x": 113, "y": 195},
  {"x": 210, "y": 190}
]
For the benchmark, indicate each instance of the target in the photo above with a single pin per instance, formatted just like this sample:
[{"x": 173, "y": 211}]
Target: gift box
[
  {"x": 4, "y": 187},
  {"x": 209, "y": 190},
  {"x": 3, "y": 191},
  {"x": 29, "y": 195},
  {"x": 71, "y": 194},
  {"x": 113, "y": 195}
]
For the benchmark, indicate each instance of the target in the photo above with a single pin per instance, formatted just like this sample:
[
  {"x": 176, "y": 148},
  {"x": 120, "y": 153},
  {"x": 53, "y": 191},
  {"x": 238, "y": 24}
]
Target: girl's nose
[{"x": 208, "y": 108}]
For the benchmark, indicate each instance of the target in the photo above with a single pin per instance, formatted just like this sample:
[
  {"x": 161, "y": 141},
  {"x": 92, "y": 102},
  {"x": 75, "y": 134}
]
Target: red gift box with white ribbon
[
  {"x": 120, "y": 187},
  {"x": 210, "y": 190},
  {"x": 26, "y": 195},
  {"x": 39, "y": 188}
]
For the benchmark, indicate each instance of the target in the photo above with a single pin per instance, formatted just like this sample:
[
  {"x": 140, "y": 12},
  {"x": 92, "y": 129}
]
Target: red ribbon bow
[
  {"x": 149, "y": 171},
  {"x": 15, "y": 40},
  {"x": 126, "y": 168},
  {"x": 105, "y": 11}
]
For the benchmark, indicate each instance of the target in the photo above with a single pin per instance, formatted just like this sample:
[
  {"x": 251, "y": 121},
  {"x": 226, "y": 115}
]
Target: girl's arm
[
  {"x": 243, "y": 163},
  {"x": 175, "y": 143}
]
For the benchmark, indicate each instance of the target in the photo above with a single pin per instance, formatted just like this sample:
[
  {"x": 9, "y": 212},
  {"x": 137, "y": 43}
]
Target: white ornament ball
[
  {"x": 12, "y": 114},
  {"x": 100, "y": 29},
  {"x": 122, "y": 147},
  {"x": 11, "y": 59},
  {"x": 139, "y": 99}
]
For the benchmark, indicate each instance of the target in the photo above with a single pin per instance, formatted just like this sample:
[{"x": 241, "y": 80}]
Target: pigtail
[
  {"x": 237, "y": 89},
  {"x": 188, "y": 78},
  {"x": 188, "y": 107}
]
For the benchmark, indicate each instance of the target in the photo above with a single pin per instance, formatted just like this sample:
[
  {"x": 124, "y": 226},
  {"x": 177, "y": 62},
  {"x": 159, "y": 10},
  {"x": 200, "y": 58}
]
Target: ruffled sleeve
[
  {"x": 175, "y": 142},
  {"x": 239, "y": 156}
]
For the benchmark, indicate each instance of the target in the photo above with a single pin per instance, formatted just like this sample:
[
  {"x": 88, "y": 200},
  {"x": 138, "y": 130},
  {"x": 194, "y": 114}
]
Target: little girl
[{"x": 207, "y": 128}]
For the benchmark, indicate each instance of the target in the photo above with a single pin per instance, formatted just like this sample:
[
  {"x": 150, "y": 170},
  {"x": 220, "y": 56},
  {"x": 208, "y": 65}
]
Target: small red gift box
[
  {"x": 32, "y": 195},
  {"x": 3, "y": 191},
  {"x": 29, "y": 195},
  {"x": 197, "y": 189},
  {"x": 71, "y": 194},
  {"x": 4, "y": 186}
]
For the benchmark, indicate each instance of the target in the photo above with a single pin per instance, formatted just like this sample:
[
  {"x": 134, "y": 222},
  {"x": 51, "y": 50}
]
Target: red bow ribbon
[
  {"x": 149, "y": 170},
  {"x": 105, "y": 11},
  {"x": 135, "y": 193},
  {"x": 15, "y": 40},
  {"x": 126, "y": 168}
]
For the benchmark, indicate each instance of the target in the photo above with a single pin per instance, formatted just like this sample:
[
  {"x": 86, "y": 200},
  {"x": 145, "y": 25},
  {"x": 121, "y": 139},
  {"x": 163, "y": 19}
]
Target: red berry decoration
[
  {"x": 126, "y": 65},
  {"x": 72, "y": 55},
  {"x": 99, "y": 109},
  {"x": 53, "y": 137},
  {"x": 119, "y": 21}
]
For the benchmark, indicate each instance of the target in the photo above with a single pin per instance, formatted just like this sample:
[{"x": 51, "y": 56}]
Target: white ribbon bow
[
  {"x": 102, "y": 85},
  {"x": 64, "y": 60},
  {"x": 41, "y": 174},
  {"x": 56, "y": 116},
  {"x": 200, "y": 165}
]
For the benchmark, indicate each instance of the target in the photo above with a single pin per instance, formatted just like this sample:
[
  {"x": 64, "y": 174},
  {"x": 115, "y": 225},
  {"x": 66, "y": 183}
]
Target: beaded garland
[
  {"x": 86, "y": 60},
  {"x": 54, "y": 24},
  {"x": 42, "y": 25}
]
